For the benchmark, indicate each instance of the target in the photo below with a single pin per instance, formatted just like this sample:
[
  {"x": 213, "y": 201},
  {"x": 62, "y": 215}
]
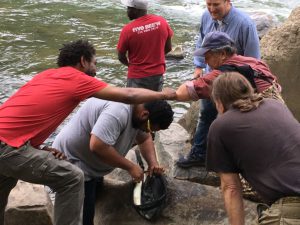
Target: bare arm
[
  {"x": 182, "y": 93},
  {"x": 123, "y": 58},
  {"x": 109, "y": 155},
  {"x": 147, "y": 149},
  {"x": 198, "y": 72},
  {"x": 232, "y": 193},
  {"x": 168, "y": 45},
  {"x": 134, "y": 95}
]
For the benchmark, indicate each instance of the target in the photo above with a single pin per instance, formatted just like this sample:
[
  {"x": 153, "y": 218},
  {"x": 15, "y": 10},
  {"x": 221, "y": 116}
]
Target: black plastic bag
[{"x": 153, "y": 197}]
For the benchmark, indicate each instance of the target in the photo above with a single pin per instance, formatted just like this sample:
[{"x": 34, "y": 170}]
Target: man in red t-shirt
[
  {"x": 142, "y": 46},
  {"x": 29, "y": 116}
]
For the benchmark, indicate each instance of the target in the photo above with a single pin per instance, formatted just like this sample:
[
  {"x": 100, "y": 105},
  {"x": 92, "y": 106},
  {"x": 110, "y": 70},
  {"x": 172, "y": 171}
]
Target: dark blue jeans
[
  {"x": 90, "y": 196},
  {"x": 208, "y": 115}
]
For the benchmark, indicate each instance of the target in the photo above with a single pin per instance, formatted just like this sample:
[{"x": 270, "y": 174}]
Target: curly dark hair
[
  {"x": 71, "y": 53},
  {"x": 160, "y": 113}
]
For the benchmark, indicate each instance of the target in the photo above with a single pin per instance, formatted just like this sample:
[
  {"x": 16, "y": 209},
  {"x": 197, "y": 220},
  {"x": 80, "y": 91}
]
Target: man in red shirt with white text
[
  {"x": 29, "y": 116},
  {"x": 142, "y": 46}
]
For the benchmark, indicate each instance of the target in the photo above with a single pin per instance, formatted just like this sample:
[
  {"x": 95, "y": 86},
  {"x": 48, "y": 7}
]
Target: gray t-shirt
[
  {"x": 109, "y": 121},
  {"x": 263, "y": 145}
]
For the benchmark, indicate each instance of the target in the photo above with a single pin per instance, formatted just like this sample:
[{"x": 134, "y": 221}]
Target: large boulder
[
  {"x": 175, "y": 53},
  {"x": 174, "y": 143},
  {"x": 187, "y": 203},
  {"x": 28, "y": 204},
  {"x": 189, "y": 120},
  {"x": 280, "y": 49},
  {"x": 171, "y": 144},
  {"x": 264, "y": 22}
]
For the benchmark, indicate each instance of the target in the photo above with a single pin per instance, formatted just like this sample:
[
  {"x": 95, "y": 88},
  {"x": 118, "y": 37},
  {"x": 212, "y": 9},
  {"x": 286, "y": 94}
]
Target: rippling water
[{"x": 31, "y": 32}]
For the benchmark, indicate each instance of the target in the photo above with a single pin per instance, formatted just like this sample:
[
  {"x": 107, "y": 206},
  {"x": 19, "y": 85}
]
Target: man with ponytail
[{"x": 259, "y": 138}]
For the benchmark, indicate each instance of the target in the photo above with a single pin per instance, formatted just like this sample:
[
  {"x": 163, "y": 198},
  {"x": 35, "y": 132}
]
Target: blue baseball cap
[{"x": 213, "y": 40}]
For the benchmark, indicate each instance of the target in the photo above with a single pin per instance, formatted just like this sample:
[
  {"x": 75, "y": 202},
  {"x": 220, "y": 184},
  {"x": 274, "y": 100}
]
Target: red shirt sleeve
[
  {"x": 203, "y": 84},
  {"x": 87, "y": 86}
]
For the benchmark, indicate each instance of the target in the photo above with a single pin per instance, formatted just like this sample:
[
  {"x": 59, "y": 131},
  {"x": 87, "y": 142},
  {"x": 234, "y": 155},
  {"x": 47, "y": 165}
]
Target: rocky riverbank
[{"x": 188, "y": 202}]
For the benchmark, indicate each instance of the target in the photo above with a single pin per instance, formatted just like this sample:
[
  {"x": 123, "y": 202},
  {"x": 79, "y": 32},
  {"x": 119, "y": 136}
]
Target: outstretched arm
[
  {"x": 232, "y": 193},
  {"x": 182, "y": 93},
  {"x": 134, "y": 95}
]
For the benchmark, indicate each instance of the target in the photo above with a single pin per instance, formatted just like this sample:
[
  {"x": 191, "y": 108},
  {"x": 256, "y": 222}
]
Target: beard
[
  {"x": 91, "y": 73},
  {"x": 137, "y": 123}
]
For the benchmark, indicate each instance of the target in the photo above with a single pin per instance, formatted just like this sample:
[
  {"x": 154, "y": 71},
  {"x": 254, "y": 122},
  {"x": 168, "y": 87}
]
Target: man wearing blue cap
[
  {"x": 219, "y": 52},
  {"x": 220, "y": 15}
]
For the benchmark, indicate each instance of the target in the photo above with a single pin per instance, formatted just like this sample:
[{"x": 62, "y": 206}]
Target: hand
[
  {"x": 155, "y": 169},
  {"x": 169, "y": 94},
  {"x": 57, "y": 154},
  {"x": 136, "y": 173},
  {"x": 198, "y": 72}
]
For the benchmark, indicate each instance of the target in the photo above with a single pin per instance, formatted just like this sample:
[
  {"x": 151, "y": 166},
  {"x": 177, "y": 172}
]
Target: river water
[{"x": 31, "y": 31}]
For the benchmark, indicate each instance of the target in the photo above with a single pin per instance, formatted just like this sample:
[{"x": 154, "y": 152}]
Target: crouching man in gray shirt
[{"x": 100, "y": 134}]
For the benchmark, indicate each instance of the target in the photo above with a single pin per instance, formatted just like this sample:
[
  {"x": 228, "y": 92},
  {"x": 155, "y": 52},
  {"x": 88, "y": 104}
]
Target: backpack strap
[{"x": 247, "y": 72}]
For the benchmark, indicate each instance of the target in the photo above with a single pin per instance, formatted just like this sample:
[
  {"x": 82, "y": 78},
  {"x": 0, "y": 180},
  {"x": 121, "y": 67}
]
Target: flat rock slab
[
  {"x": 175, "y": 53},
  {"x": 28, "y": 204},
  {"x": 173, "y": 143},
  {"x": 187, "y": 203}
]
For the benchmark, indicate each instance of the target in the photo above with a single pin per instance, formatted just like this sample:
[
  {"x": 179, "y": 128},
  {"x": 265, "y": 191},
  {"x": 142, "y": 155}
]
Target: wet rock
[
  {"x": 170, "y": 144},
  {"x": 280, "y": 49},
  {"x": 174, "y": 143},
  {"x": 187, "y": 203},
  {"x": 28, "y": 204},
  {"x": 189, "y": 120},
  {"x": 264, "y": 22},
  {"x": 175, "y": 53}
]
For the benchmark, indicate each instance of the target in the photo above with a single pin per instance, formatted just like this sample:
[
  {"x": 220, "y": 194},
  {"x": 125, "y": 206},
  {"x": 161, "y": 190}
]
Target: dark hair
[
  {"x": 70, "y": 54},
  {"x": 233, "y": 89},
  {"x": 160, "y": 113}
]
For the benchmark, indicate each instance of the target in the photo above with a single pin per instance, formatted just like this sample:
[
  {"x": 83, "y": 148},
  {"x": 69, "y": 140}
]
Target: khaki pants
[
  {"x": 41, "y": 167},
  {"x": 285, "y": 211}
]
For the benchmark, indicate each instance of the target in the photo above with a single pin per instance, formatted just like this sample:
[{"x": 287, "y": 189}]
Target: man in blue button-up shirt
[{"x": 223, "y": 16}]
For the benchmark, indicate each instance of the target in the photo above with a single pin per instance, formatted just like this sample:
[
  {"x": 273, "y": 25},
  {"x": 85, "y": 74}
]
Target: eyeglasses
[{"x": 149, "y": 126}]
